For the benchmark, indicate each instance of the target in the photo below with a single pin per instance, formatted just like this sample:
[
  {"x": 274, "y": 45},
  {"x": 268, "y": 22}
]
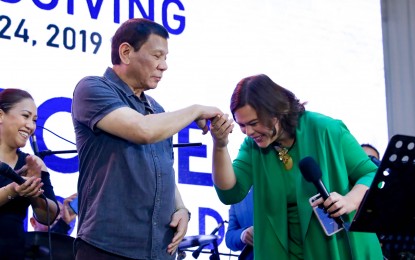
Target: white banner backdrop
[{"x": 328, "y": 52}]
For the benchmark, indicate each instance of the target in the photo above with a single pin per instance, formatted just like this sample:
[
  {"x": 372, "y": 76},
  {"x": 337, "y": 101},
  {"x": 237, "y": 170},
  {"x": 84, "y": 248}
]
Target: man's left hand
[{"x": 180, "y": 220}]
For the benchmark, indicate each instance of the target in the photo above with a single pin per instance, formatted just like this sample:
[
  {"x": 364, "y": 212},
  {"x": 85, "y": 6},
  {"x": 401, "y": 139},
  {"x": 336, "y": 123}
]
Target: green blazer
[{"x": 343, "y": 164}]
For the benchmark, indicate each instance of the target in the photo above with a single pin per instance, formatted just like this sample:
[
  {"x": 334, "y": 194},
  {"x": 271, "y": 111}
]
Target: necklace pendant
[
  {"x": 288, "y": 164},
  {"x": 283, "y": 155},
  {"x": 285, "y": 158}
]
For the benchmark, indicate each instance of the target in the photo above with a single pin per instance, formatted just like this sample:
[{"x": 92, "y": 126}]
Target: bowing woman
[
  {"x": 280, "y": 132},
  {"x": 18, "y": 115}
]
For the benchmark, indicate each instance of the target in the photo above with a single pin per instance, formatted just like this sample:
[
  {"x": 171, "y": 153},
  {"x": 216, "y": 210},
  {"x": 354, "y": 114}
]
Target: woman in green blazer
[{"x": 280, "y": 132}]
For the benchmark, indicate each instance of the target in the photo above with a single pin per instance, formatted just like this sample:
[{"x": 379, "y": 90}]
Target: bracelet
[
  {"x": 188, "y": 212},
  {"x": 9, "y": 197}
]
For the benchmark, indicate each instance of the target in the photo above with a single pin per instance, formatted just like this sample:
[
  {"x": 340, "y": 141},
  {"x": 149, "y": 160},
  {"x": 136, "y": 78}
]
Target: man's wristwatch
[{"x": 188, "y": 212}]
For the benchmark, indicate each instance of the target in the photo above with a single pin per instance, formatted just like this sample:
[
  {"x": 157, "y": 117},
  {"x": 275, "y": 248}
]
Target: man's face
[
  {"x": 147, "y": 65},
  {"x": 370, "y": 151}
]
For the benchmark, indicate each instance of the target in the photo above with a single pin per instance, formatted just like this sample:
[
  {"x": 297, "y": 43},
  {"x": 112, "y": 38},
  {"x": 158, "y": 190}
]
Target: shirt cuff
[{"x": 242, "y": 235}]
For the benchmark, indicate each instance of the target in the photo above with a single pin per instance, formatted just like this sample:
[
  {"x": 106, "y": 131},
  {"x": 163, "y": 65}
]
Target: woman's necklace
[{"x": 283, "y": 155}]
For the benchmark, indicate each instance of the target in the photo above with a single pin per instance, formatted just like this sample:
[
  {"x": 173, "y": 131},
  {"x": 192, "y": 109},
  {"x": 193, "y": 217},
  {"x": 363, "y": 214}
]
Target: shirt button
[{"x": 155, "y": 224}]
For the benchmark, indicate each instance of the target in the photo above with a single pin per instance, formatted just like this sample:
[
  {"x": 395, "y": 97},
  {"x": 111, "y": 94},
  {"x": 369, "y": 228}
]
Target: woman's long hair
[{"x": 269, "y": 100}]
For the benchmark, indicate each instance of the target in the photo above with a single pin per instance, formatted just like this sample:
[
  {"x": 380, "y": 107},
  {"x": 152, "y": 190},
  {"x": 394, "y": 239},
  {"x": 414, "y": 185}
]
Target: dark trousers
[{"x": 85, "y": 251}]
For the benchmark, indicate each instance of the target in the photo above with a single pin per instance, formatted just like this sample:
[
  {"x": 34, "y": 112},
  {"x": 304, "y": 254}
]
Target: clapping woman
[{"x": 18, "y": 115}]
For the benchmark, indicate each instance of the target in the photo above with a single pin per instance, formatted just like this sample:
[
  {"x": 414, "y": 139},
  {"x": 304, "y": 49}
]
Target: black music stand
[{"x": 388, "y": 208}]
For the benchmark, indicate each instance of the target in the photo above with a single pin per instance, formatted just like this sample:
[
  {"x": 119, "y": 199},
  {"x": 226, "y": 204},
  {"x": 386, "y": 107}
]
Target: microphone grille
[{"x": 310, "y": 169}]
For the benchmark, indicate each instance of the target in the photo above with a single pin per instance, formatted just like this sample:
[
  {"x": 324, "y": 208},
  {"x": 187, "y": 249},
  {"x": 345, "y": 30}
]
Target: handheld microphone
[
  {"x": 34, "y": 144},
  {"x": 9, "y": 173},
  {"x": 312, "y": 173}
]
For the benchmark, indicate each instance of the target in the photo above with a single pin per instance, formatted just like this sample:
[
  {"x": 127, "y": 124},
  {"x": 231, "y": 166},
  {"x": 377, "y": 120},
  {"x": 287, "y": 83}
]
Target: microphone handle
[
  {"x": 9, "y": 173},
  {"x": 325, "y": 194}
]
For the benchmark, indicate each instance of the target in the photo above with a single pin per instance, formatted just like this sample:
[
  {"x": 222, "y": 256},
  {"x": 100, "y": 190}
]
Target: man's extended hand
[{"x": 180, "y": 220}]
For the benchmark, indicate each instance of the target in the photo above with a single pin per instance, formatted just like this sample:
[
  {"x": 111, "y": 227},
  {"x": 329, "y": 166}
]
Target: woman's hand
[
  {"x": 220, "y": 128},
  {"x": 248, "y": 236},
  {"x": 32, "y": 187},
  {"x": 336, "y": 204},
  {"x": 31, "y": 172},
  {"x": 33, "y": 167},
  {"x": 67, "y": 214}
]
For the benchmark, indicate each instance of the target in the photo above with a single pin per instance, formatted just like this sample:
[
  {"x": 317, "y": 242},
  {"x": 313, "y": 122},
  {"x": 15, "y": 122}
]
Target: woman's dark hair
[
  {"x": 135, "y": 32},
  {"x": 11, "y": 96},
  {"x": 269, "y": 100}
]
